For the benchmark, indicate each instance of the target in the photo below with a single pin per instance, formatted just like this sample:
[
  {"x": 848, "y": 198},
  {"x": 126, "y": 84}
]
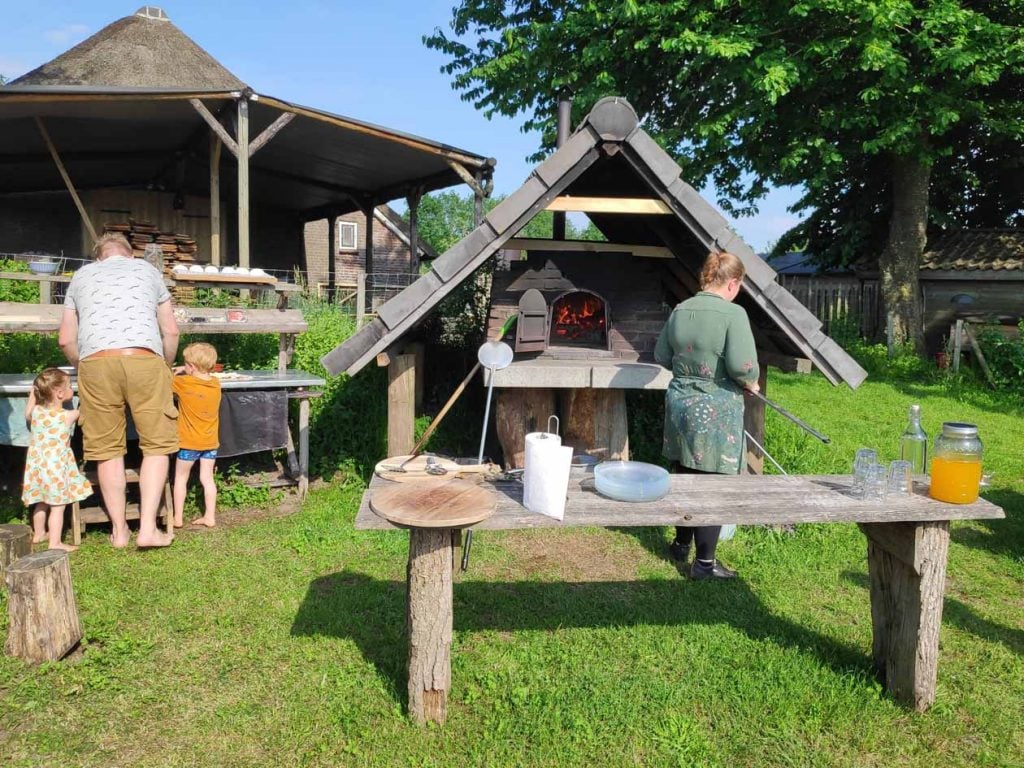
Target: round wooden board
[
  {"x": 415, "y": 470},
  {"x": 445, "y": 504}
]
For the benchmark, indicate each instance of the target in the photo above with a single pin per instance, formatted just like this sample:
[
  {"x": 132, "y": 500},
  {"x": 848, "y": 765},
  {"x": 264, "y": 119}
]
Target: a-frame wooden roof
[{"x": 610, "y": 155}]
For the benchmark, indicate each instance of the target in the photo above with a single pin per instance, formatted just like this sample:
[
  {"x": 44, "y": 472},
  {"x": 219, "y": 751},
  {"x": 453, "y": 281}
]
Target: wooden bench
[
  {"x": 81, "y": 517},
  {"x": 907, "y": 538}
]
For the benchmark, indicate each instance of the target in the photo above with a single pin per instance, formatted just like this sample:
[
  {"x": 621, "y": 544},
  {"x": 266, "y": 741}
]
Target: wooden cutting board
[
  {"x": 427, "y": 504},
  {"x": 416, "y": 469}
]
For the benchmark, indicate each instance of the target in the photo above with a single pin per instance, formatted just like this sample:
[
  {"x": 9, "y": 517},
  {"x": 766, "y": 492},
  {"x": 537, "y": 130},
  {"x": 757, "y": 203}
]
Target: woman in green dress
[{"x": 708, "y": 344}]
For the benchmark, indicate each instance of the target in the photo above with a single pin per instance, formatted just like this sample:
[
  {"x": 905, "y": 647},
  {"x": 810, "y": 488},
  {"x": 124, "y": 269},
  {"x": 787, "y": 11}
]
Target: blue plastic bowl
[
  {"x": 42, "y": 267},
  {"x": 631, "y": 480}
]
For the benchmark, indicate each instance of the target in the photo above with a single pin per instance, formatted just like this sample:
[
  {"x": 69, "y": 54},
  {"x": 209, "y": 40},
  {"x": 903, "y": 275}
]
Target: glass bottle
[
  {"x": 914, "y": 442},
  {"x": 956, "y": 464}
]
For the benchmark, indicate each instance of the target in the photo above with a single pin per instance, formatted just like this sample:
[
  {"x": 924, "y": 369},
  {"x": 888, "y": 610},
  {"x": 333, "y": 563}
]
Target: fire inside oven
[{"x": 579, "y": 319}]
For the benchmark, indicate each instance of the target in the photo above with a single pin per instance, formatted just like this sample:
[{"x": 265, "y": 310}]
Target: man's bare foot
[
  {"x": 179, "y": 522},
  {"x": 63, "y": 546},
  {"x": 154, "y": 540},
  {"x": 204, "y": 520},
  {"x": 38, "y": 538},
  {"x": 119, "y": 539}
]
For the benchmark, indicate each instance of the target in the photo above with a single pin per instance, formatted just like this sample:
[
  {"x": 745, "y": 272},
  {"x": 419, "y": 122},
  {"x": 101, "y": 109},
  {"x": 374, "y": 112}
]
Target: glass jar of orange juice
[{"x": 956, "y": 464}]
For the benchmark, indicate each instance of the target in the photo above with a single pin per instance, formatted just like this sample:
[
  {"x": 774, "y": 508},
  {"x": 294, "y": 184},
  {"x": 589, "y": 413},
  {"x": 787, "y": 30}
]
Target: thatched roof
[{"x": 141, "y": 50}]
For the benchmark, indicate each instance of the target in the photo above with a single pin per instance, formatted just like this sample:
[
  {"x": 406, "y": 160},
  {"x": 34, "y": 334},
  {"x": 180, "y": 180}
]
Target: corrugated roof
[
  {"x": 145, "y": 49},
  {"x": 977, "y": 249},
  {"x": 610, "y": 155}
]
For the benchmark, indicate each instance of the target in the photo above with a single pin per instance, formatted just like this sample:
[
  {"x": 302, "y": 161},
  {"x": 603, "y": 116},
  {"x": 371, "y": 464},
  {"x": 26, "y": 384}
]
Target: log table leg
[
  {"x": 429, "y": 615},
  {"x": 907, "y": 569}
]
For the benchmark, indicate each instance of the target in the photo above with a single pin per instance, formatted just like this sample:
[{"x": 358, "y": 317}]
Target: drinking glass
[
  {"x": 864, "y": 458},
  {"x": 875, "y": 481},
  {"x": 901, "y": 478}
]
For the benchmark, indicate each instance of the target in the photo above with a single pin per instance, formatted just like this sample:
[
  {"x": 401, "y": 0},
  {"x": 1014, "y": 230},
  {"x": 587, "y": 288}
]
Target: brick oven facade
[{"x": 637, "y": 302}]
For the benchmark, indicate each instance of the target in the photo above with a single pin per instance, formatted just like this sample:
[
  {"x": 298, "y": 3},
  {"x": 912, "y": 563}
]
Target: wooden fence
[{"x": 845, "y": 305}]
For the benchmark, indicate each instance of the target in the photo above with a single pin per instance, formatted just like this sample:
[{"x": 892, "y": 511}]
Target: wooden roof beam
[
  {"x": 270, "y": 132},
  {"x": 587, "y": 246},
  {"x": 215, "y": 125},
  {"x": 628, "y": 205}
]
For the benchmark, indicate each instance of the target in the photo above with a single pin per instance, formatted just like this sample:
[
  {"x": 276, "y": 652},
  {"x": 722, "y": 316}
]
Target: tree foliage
[{"x": 747, "y": 94}]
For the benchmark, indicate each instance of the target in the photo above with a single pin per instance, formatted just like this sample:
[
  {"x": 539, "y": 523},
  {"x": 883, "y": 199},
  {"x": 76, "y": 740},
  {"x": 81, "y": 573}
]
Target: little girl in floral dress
[{"x": 52, "y": 477}]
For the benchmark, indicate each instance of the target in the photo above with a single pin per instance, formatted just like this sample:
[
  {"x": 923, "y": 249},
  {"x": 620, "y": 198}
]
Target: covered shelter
[
  {"x": 659, "y": 231},
  {"x": 140, "y": 119}
]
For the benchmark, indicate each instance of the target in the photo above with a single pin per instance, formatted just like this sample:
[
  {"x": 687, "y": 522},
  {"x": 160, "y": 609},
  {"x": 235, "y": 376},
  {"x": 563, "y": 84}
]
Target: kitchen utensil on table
[
  {"x": 448, "y": 503},
  {"x": 547, "y": 465},
  {"x": 956, "y": 464},
  {"x": 799, "y": 422},
  {"x": 417, "y": 468},
  {"x": 631, "y": 480}
]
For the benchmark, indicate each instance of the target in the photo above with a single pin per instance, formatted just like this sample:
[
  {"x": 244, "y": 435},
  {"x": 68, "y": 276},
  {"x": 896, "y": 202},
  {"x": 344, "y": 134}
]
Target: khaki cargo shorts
[{"x": 143, "y": 383}]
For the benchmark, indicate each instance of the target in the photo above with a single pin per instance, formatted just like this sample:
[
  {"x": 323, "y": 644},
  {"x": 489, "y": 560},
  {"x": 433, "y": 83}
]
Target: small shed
[
  {"x": 138, "y": 122},
  {"x": 975, "y": 275},
  {"x": 659, "y": 231}
]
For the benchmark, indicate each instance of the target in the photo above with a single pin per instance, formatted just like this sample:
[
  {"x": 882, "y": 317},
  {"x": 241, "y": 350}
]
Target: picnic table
[{"x": 907, "y": 543}]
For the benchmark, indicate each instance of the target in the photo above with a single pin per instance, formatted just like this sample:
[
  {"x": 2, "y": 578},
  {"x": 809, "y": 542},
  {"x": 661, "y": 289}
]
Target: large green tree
[{"x": 751, "y": 93}]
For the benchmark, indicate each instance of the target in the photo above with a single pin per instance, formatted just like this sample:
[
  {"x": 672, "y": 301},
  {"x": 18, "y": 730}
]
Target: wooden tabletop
[{"x": 715, "y": 500}]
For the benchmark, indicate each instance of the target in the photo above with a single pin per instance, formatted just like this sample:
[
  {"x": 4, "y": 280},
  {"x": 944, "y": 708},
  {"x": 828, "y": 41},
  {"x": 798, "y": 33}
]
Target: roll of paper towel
[{"x": 546, "y": 474}]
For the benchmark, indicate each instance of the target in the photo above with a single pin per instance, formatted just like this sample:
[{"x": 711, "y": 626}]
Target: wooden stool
[
  {"x": 43, "y": 617},
  {"x": 82, "y": 517}
]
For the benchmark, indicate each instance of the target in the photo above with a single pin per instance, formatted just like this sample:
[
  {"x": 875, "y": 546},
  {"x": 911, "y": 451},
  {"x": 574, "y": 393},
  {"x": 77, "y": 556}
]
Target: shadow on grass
[
  {"x": 962, "y": 616},
  {"x": 1004, "y": 537},
  {"x": 371, "y": 612}
]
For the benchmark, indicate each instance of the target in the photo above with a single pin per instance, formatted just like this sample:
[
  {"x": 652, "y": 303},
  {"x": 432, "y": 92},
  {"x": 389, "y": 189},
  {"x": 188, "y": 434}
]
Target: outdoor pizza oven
[{"x": 577, "y": 318}]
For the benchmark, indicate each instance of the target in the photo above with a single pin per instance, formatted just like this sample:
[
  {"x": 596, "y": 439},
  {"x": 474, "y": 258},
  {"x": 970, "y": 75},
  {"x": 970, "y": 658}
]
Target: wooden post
[
  {"x": 976, "y": 348},
  {"x": 753, "y": 422},
  {"x": 360, "y": 299},
  {"x": 44, "y": 623},
  {"x": 242, "y": 139},
  {"x": 478, "y": 201},
  {"x": 958, "y": 335},
  {"x": 413, "y": 201},
  {"x": 67, "y": 179},
  {"x": 303, "y": 447},
  {"x": 332, "y": 257},
  {"x": 907, "y": 570},
  {"x": 15, "y": 542},
  {"x": 215, "y": 146},
  {"x": 517, "y": 412},
  {"x": 285, "y": 350},
  {"x": 368, "y": 260},
  {"x": 429, "y": 620},
  {"x": 45, "y": 292},
  {"x": 401, "y": 405},
  {"x": 594, "y": 420}
]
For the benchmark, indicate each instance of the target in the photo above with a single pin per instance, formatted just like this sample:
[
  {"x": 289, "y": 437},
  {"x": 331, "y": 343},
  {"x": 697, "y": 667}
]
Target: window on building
[{"x": 348, "y": 235}]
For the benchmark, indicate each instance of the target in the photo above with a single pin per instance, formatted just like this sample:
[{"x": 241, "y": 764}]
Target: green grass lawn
[{"x": 281, "y": 641}]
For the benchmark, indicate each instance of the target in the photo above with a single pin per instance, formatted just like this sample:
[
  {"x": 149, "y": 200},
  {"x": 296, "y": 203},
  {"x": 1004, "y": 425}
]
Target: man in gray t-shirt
[{"x": 118, "y": 327}]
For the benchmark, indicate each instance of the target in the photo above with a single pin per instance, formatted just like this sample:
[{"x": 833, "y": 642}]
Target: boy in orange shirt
[{"x": 198, "y": 394}]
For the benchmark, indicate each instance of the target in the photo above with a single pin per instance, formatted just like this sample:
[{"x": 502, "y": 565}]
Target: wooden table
[{"x": 907, "y": 537}]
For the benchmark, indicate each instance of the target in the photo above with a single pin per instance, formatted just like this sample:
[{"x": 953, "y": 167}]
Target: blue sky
[{"x": 364, "y": 60}]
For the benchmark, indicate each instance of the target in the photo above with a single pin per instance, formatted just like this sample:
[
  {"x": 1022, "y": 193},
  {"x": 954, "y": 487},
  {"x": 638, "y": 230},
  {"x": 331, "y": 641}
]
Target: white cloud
[{"x": 68, "y": 33}]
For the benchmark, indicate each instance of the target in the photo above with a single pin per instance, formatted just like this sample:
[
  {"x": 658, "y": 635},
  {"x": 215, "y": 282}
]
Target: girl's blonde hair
[
  {"x": 720, "y": 268},
  {"x": 46, "y": 383},
  {"x": 200, "y": 354}
]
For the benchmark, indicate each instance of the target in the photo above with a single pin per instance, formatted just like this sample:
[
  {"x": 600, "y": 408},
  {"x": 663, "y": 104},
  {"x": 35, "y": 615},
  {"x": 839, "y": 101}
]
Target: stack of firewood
[{"x": 175, "y": 247}]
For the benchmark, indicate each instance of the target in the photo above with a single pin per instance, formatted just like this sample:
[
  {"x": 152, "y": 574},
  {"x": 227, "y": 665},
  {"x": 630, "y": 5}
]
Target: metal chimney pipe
[{"x": 562, "y": 136}]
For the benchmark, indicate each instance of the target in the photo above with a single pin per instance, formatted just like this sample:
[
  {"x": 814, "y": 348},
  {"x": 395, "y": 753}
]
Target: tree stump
[
  {"x": 15, "y": 543},
  {"x": 518, "y": 412},
  {"x": 43, "y": 617},
  {"x": 429, "y": 619},
  {"x": 594, "y": 421},
  {"x": 907, "y": 570}
]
